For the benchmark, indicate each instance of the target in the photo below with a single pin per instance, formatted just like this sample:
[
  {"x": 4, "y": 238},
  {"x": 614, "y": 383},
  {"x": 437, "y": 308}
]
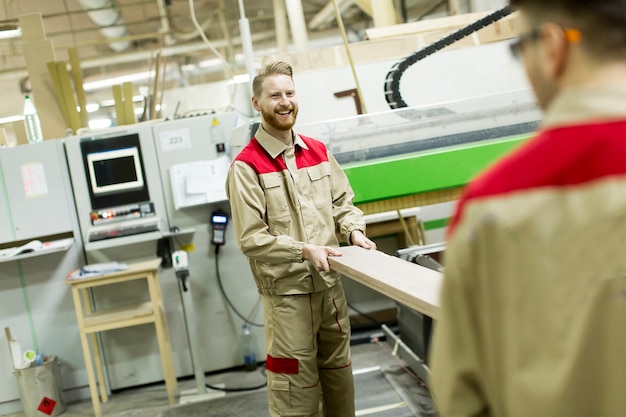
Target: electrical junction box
[{"x": 179, "y": 260}]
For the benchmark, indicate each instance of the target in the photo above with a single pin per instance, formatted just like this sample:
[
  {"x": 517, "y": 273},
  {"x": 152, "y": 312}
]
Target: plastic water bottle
[
  {"x": 39, "y": 359},
  {"x": 31, "y": 122},
  {"x": 248, "y": 347}
]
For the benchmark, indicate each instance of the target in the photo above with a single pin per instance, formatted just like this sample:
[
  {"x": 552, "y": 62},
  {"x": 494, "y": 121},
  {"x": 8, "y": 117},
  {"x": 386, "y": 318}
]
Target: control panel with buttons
[{"x": 121, "y": 213}]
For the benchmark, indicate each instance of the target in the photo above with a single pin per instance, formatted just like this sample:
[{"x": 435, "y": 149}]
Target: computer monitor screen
[{"x": 115, "y": 171}]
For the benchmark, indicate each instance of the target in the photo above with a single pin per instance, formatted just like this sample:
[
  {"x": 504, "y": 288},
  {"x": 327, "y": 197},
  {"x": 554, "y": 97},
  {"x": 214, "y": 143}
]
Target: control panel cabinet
[
  {"x": 35, "y": 193},
  {"x": 116, "y": 186}
]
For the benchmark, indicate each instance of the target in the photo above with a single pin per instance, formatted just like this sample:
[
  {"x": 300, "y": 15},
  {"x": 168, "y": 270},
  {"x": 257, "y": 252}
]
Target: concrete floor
[{"x": 373, "y": 364}]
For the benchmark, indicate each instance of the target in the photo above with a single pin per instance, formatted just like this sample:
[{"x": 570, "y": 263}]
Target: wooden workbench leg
[
  {"x": 93, "y": 390},
  {"x": 165, "y": 347},
  {"x": 96, "y": 348},
  {"x": 99, "y": 368},
  {"x": 163, "y": 336}
]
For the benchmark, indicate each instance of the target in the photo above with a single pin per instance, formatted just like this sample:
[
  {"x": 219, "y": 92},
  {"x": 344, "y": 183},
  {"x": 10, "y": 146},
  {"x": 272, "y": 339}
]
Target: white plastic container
[
  {"x": 31, "y": 122},
  {"x": 40, "y": 389},
  {"x": 249, "y": 348}
]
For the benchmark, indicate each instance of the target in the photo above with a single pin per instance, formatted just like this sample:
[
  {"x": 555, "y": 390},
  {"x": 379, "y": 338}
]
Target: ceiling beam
[{"x": 327, "y": 15}]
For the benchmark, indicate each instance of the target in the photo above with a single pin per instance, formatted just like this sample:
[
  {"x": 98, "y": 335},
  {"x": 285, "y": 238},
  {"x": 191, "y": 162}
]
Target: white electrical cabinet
[
  {"x": 116, "y": 187},
  {"x": 36, "y": 203},
  {"x": 35, "y": 192},
  {"x": 207, "y": 147},
  {"x": 6, "y": 226}
]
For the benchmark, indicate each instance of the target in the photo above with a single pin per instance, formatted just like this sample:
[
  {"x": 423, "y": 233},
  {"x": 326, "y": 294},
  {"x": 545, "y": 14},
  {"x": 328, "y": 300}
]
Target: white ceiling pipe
[
  {"x": 165, "y": 22},
  {"x": 246, "y": 41},
  {"x": 109, "y": 19},
  {"x": 280, "y": 25},
  {"x": 298, "y": 24},
  {"x": 384, "y": 13}
]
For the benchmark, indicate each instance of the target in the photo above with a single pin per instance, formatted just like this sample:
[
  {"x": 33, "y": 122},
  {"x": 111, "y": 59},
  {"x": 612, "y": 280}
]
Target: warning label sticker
[{"x": 46, "y": 405}]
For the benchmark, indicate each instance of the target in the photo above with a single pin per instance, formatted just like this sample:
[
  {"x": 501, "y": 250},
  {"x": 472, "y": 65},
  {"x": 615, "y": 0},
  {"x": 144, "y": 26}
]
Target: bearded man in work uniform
[{"x": 289, "y": 200}]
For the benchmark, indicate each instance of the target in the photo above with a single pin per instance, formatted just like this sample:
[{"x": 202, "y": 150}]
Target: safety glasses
[{"x": 571, "y": 35}]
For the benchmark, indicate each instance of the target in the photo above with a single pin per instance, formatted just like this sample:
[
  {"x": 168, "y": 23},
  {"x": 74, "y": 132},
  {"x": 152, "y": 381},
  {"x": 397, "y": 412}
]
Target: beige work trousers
[{"x": 307, "y": 340}]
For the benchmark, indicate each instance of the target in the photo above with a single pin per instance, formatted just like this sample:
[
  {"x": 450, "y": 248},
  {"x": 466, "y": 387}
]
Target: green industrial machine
[
  {"x": 426, "y": 171},
  {"x": 420, "y": 156}
]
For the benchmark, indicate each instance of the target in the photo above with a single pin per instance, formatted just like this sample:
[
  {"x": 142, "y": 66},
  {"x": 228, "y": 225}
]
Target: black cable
[
  {"x": 219, "y": 282},
  {"x": 230, "y": 304},
  {"x": 241, "y": 389},
  {"x": 237, "y": 389}
]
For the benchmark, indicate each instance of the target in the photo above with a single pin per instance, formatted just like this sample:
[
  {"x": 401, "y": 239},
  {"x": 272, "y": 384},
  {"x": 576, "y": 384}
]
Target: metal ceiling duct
[
  {"x": 109, "y": 19},
  {"x": 297, "y": 24}
]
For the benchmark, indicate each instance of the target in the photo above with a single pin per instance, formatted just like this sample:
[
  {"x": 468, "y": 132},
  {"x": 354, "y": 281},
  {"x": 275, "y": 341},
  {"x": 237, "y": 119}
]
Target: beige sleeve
[
  {"x": 455, "y": 354},
  {"x": 347, "y": 216}
]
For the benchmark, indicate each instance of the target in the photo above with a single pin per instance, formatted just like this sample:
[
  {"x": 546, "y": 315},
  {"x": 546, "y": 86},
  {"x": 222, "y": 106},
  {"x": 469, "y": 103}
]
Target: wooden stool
[{"x": 90, "y": 322}]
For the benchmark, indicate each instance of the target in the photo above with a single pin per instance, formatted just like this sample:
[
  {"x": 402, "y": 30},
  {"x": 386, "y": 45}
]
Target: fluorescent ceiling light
[
  {"x": 108, "y": 82},
  {"x": 241, "y": 78},
  {"x": 100, "y": 123},
  {"x": 11, "y": 33},
  {"x": 11, "y": 119},
  {"x": 111, "y": 102},
  {"x": 207, "y": 64},
  {"x": 91, "y": 107},
  {"x": 139, "y": 110}
]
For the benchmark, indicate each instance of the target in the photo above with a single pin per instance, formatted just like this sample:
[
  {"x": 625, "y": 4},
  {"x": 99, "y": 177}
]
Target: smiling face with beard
[{"x": 278, "y": 106}]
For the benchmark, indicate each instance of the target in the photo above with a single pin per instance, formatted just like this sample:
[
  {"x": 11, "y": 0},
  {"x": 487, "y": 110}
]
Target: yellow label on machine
[{"x": 188, "y": 248}]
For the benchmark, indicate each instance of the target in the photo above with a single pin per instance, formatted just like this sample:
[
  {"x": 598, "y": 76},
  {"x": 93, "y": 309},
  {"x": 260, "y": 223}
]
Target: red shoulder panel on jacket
[
  {"x": 258, "y": 159},
  {"x": 315, "y": 155},
  {"x": 559, "y": 157}
]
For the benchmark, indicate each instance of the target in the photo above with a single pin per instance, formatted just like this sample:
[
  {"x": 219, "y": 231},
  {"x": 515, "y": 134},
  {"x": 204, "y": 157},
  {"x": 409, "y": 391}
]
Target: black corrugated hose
[{"x": 392, "y": 81}]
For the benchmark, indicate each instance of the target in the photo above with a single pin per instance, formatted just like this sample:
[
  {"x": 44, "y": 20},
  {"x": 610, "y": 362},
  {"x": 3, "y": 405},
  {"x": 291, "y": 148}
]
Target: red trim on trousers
[
  {"x": 282, "y": 365},
  {"x": 337, "y": 316},
  {"x": 312, "y": 322}
]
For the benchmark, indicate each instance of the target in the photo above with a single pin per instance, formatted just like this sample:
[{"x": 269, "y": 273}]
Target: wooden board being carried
[{"x": 413, "y": 285}]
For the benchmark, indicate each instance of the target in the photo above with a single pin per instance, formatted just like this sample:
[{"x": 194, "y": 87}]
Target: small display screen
[
  {"x": 219, "y": 219},
  {"x": 115, "y": 170}
]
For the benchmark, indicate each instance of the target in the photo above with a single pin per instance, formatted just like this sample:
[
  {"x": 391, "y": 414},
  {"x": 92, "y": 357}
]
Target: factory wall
[{"x": 449, "y": 75}]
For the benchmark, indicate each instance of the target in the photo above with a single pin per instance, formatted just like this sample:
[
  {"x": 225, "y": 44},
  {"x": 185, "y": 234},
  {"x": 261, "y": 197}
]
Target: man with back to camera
[
  {"x": 289, "y": 199},
  {"x": 533, "y": 304}
]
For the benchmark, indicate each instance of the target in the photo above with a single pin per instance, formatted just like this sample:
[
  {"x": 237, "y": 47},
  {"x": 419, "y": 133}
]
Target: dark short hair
[
  {"x": 601, "y": 22},
  {"x": 273, "y": 68}
]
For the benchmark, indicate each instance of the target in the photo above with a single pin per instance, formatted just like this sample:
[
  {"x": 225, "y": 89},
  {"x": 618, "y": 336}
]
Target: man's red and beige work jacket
[
  {"x": 533, "y": 305},
  {"x": 283, "y": 197}
]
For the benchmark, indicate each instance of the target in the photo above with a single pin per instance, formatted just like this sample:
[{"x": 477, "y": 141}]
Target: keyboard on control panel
[{"x": 123, "y": 231}]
